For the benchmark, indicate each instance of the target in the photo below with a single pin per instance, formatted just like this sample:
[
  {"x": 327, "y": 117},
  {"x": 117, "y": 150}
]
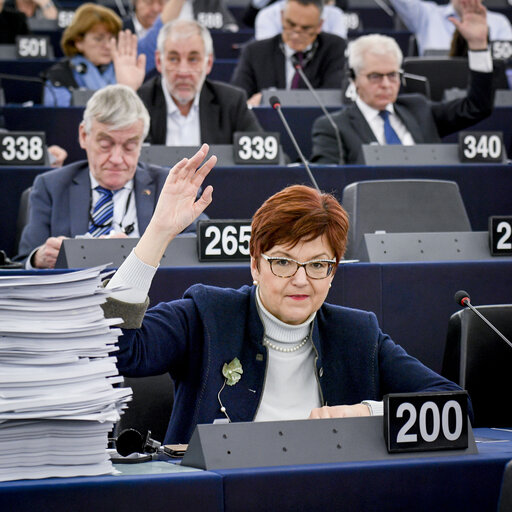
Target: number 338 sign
[{"x": 22, "y": 148}]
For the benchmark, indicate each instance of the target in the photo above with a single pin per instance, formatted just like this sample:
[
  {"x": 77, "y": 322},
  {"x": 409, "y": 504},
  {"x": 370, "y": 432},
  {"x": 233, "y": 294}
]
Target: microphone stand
[{"x": 299, "y": 69}]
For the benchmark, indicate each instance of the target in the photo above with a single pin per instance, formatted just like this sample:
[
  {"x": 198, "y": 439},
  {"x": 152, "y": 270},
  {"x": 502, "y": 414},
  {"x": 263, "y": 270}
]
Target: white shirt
[
  {"x": 268, "y": 21},
  {"x": 377, "y": 123},
  {"x": 182, "y": 130},
  {"x": 125, "y": 210},
  {"x": 429, "y": 22},
  {"x": 140, "y": 31}
]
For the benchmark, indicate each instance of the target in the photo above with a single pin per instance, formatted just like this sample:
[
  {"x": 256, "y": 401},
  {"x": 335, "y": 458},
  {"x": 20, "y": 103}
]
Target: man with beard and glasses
[{"x": 185, "y": 107}]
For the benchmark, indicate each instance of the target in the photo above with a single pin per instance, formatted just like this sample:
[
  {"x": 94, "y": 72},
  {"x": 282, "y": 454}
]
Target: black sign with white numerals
[
  {"x": 256, "y": 148},
  {"x": 22, "y": 148},
  {"x": 210, "y": 20},
  {"x": 480, "y": 147},
  {"x": 501, "y": 50},
  {"x": 500, "y": 235},
  {"x": 426, "y": 421},
  {"x": 223, "y": 240},
  {"x": 33, "y": 47}
]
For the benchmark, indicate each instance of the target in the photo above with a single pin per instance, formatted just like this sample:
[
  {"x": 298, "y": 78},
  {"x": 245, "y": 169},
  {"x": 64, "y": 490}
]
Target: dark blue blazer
[
  {"x": 193, "y": 337},
  {"x": 60, "y": 201}
]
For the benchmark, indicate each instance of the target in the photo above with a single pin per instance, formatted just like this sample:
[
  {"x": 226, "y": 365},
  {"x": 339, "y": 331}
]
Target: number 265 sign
[{"x": 223, "y": 240}]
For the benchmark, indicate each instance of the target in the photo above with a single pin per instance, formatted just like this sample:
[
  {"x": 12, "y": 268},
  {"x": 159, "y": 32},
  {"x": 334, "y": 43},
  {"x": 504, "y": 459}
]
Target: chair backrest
[
  {"x": 401, "y": 206},
  {"x": 505, "y": 503},
  {"x": 479, "y": 361},
  {"x": 151, "y": 406},
  {"x": 23, "y": 214},
  {"x": 446, "y": 73}
]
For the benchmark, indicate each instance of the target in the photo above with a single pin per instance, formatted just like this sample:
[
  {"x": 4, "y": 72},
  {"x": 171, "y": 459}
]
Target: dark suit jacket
[
  {"x": 60, "y": 202},
  {"x": 222, "y": 111},
  {"x": 12, "y": 24},
  {"x": 427, "y": 121},
  {"x": 262, "y": 65}
]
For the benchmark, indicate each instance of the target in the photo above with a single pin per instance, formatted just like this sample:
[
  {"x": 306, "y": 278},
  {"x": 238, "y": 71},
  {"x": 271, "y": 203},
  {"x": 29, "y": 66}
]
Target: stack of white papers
[{"x": 59, "y": 385}]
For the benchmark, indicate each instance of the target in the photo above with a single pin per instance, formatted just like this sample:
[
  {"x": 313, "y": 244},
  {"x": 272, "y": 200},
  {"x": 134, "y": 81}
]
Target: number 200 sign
[
  {"x": 223, "y": 240},
  {"x": 426, "y": 421}
]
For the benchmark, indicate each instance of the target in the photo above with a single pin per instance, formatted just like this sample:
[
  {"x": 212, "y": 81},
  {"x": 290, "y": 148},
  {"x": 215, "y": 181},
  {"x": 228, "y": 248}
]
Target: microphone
[
  {"x": 462, "y": 299},
  {"x": 305, "y": 79},
  {"x": 385, "y": 7},
  {"x": 276, "y": 105}
]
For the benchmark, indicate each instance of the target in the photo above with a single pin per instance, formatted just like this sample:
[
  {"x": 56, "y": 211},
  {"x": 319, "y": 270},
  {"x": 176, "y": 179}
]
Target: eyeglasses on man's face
[
  {"x": 288, "y": 267},
  {"x": 377, "y": 78}
]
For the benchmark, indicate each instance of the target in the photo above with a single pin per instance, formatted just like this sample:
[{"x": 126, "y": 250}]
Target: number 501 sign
[{"x": 223, "y": 240}]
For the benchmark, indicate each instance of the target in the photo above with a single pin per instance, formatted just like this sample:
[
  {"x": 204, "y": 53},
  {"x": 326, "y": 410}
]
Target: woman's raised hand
[{"x": 177, "y": 205}]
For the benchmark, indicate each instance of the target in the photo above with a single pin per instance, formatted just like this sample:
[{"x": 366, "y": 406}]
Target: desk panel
[
  {"x": 485, "y": 189},
  {"x": 184, "y": 492},
  {"x": 447, "y": 484}
]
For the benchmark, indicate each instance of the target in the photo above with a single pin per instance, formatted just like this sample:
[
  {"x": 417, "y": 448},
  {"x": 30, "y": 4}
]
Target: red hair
[{"x": 299, "y": 213}]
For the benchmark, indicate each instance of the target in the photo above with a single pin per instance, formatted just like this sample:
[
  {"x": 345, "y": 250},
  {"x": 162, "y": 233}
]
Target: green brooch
[{"x": 232, "y": 371}]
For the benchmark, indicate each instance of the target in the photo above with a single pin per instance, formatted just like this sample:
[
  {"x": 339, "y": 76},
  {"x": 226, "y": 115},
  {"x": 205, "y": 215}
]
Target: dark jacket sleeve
[
  {"x": 461, "y": 113},
  {"x": 325, "y": 147},
  {"x": 244, "y": 74}
]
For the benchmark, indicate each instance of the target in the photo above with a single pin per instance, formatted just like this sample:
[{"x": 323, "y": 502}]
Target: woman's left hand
[
  {"x": 340, "y": 411},
  {"x": 130, "y": 69}
]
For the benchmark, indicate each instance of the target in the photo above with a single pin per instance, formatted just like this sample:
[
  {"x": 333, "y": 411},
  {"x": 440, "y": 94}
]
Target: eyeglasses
[
  {"x": 376, "y": 78},
  {"x": 299, "y": 29},
  {"x": 287, "y": 267},
  {"x": 194, "y": 63}
]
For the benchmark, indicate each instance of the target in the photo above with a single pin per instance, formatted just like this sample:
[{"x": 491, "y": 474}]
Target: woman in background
[{"x": 86, "y": 42}]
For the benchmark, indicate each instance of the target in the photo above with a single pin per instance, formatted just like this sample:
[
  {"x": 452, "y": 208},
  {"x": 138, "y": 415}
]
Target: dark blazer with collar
[
  {"x": 427, "y": 121},
  {"x": 222, "y": 112},
  {"x": 193, "y": 337},
  {"x": 60, "y": 202},
  {"x": 262, "y": 65}
]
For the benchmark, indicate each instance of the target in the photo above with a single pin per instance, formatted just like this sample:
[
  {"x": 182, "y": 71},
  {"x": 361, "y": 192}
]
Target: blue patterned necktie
[
  {"x": 389, "y": 133},
  {"x": 102, "y": 214}
]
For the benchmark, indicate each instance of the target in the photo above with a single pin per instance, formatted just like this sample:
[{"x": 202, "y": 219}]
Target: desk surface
[{"x": 469, "y": 483}]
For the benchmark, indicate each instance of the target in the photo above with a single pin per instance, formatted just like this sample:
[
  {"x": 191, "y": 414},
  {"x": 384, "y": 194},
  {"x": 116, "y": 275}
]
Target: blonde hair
[{"x": 86, "y": 17}]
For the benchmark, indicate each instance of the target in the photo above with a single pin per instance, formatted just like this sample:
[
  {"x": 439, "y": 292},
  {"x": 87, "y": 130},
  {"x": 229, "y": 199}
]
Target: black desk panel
[
  {"x": 61, "y": 124},
  {"x": 486, "y": 190}
]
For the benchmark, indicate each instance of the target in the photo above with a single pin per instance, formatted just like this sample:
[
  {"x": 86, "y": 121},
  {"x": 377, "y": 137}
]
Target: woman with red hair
[{"x": 272, "y": 351}]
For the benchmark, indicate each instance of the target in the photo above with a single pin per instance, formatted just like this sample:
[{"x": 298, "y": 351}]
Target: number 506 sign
[{"x": 223, "y": 240}]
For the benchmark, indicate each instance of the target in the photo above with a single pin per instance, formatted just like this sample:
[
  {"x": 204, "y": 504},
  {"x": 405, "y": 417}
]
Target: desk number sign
[
  {"x": 426, "y": 421},
  {"x": 223, "y": 240},
  {"x": 500, "y": 235},
  {"x": 22, "y": 148},
  {"x": 32, "y": 47},
  {"x": 477, "y": 147},
  {"x": 256, "y": 148}
]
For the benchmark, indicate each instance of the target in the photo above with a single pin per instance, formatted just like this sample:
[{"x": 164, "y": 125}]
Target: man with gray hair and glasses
[
  {"x": 185, "y": 107},
  {"x": 380, "y": 116},
  {"x": 110, "y": 194}
]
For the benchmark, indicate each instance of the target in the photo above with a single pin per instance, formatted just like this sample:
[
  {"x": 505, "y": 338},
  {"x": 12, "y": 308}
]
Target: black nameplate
[
  {"x": 223, "y": 240},
  {"x": 475, "y": 147},
  {"x": 416, "y": 422},
  {"x": 256, "y": 148},
  {"x": 352, "y": 20},
  {"x": 501, "y": 50},
  {"x": 32, "y": 47},
  {"x": 65, "y": 18},
  {"x": 210, "y": 19},
  {"x": 500, "y": 235},
  {"x": 22, "y": 148}
]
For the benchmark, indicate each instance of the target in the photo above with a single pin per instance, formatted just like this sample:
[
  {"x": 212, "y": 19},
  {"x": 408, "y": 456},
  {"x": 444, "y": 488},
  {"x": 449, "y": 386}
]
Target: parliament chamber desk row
[
  {"x": 61, "y": 125},
  {"x": 239, "y": 191},
  {"x": 469, "y": 483}
]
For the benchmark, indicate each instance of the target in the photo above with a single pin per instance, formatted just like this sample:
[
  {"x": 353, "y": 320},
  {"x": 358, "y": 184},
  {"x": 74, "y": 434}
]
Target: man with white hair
[
  {"x": 186, "y": 108},
  {"x": 380, "y": 116},
  {"x": 433, "y": 26},
  {"x": 109, "y": 194}
]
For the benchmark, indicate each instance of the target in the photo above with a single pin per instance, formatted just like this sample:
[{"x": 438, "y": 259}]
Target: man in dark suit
[
  {"x": 271, "y": 62},
  {"x": 185, "y": 107},
  {"x": 71, "y": 201},
  {"x": 380, "y": 116},
  {"x": 145, "y": 13}
]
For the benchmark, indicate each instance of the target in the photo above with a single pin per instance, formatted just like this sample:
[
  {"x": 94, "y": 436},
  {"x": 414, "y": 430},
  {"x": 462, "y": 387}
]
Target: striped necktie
[
  {"x": 389, "y": 133},
  {"x": 100, "y": 221}
]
